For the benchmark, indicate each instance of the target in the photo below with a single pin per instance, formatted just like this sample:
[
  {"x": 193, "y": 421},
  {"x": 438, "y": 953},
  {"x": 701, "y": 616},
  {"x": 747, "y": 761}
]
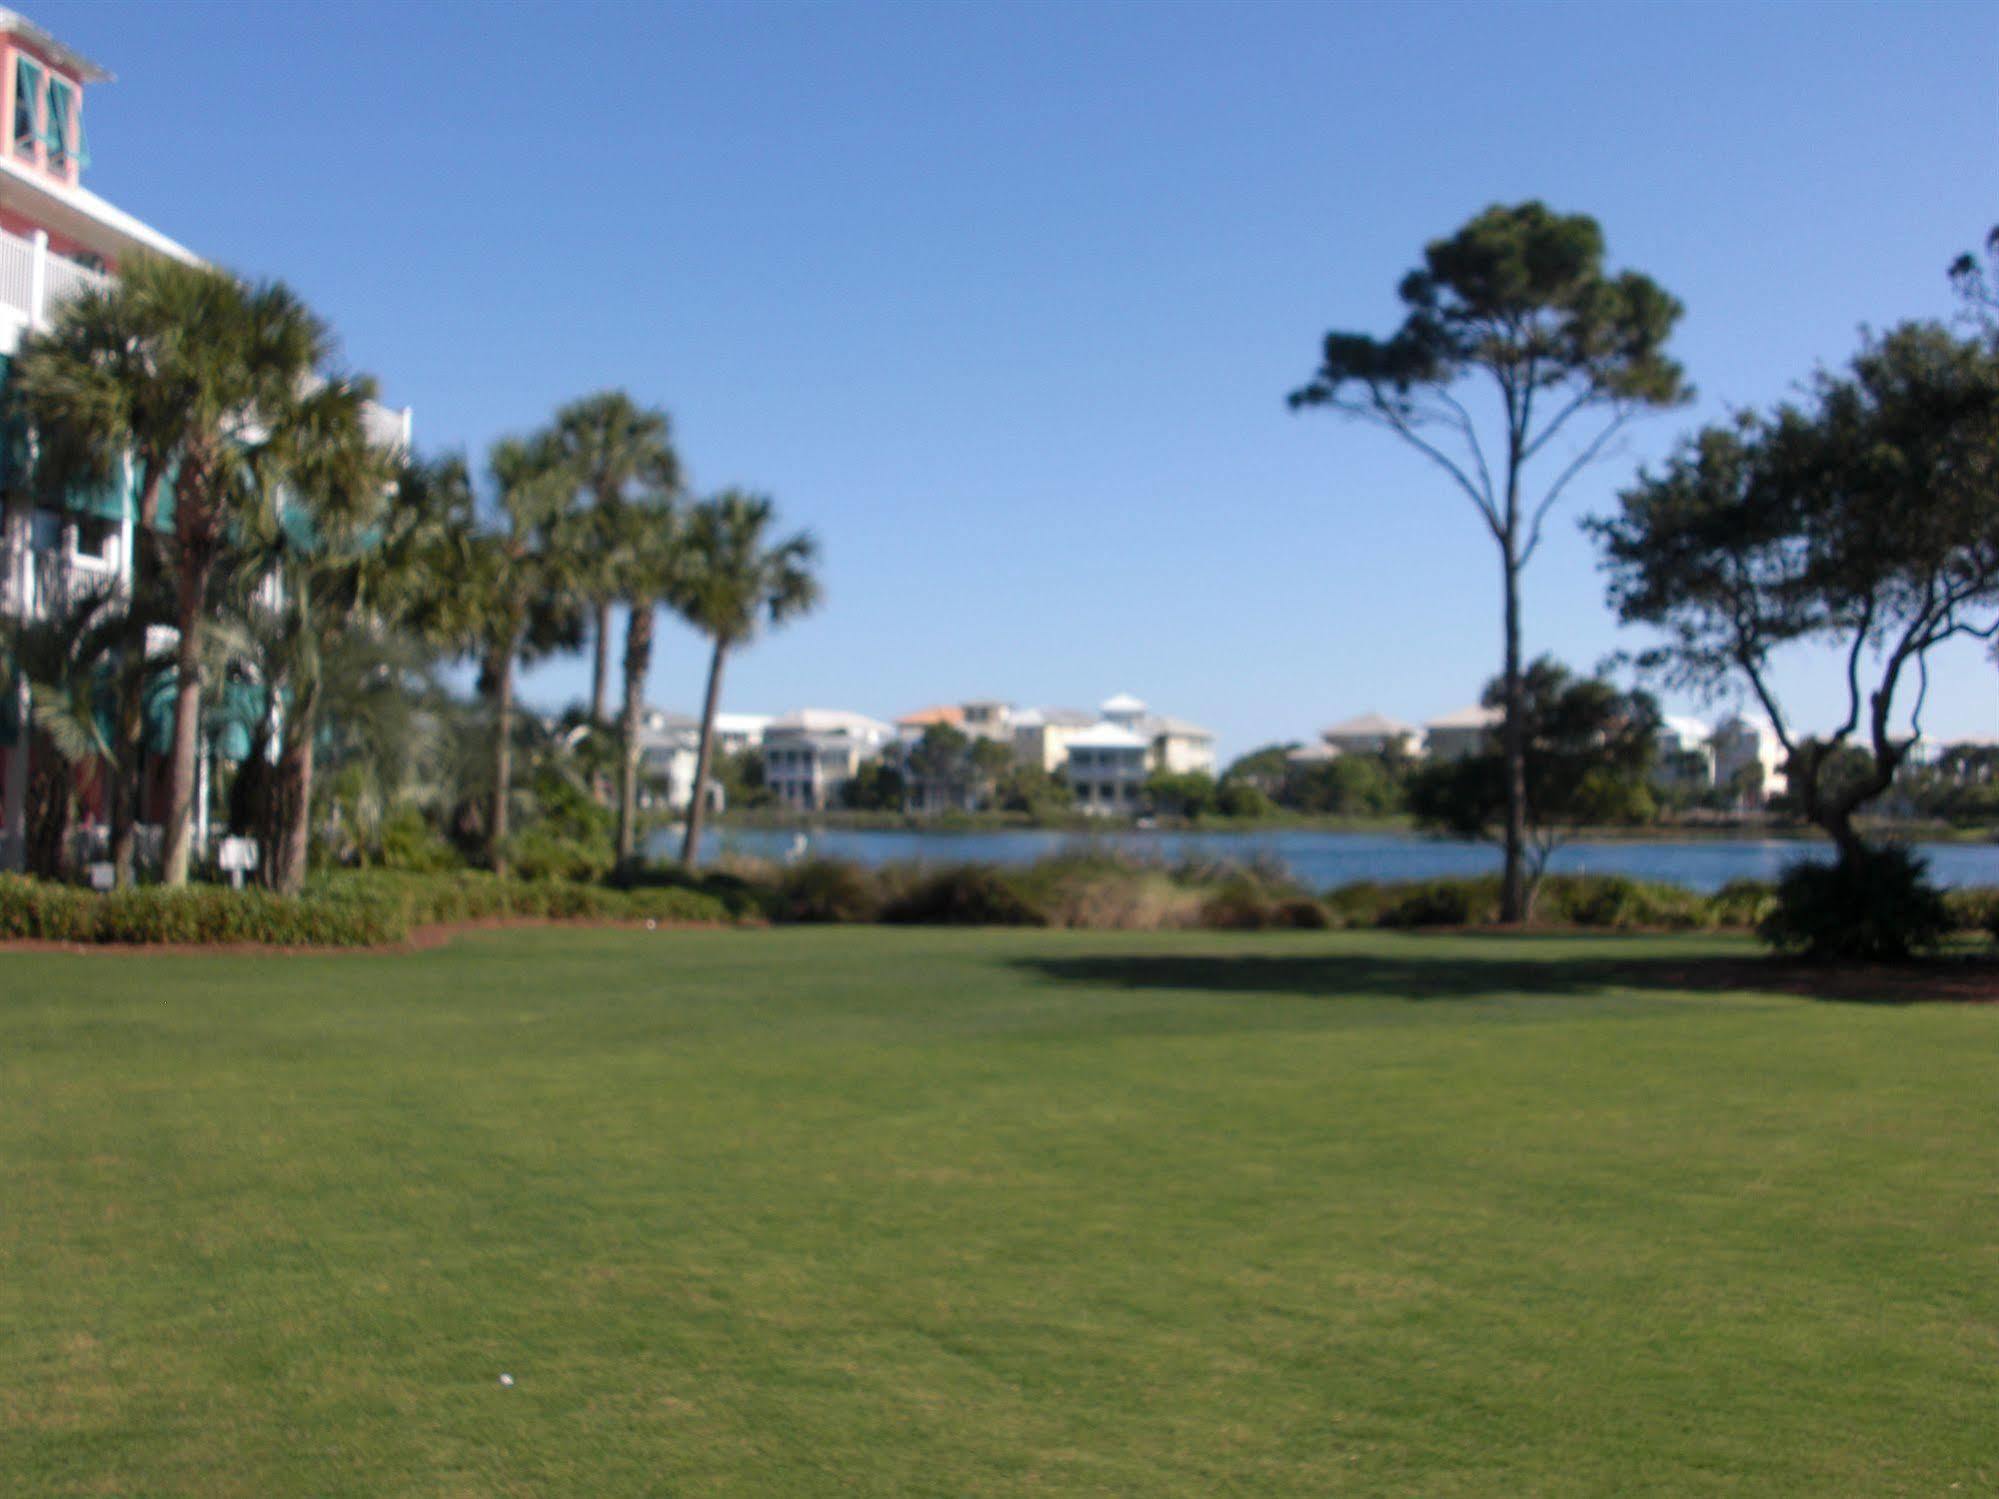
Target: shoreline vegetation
[
  {"x": 1716, "y": 827},
  {"x": 1084, "y": 889}
]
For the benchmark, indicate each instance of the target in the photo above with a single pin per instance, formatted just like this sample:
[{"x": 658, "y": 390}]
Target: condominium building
[{"x": 1106, "y": 769}]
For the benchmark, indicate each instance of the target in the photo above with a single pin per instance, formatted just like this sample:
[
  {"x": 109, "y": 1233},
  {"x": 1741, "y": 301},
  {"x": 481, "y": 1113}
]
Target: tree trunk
[
  {"x": 125, "y": 775},
  {"x": 697, "y": 810},
  {"x": 638, "y": 662},
  {"x": 1513, "y": 746},
  {"x": 130, "y": 768},
  {"x": 292, "y": 806},
  {"x": 190, "y": 616},
  {"x": 600, "y": 669},
  {"x": 51, "y": 805},
  {"x": 503, "y": 761}
]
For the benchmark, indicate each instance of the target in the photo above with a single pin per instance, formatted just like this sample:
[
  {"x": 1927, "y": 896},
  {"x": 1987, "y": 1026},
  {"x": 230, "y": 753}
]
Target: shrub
[
  {"x": 826, "y": 890},
  {"x": 965, "y": 895},
  {"x": 1742, "y": 903},
  {"x": 410, "y": 842},
  {"x": 544, "y": 853},
  {"x": 1973, "y": 910},
  {"x": 1620, "y": 903},
  {"x": 1876, "y": 906},
  {"x": 1440, "y": 903},
  {"x": 1248, "y": 905}
]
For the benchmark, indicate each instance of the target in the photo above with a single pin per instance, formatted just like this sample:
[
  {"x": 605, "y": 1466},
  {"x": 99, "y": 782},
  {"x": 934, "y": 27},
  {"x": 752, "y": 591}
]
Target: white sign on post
[{"x": 236, "y": 857}]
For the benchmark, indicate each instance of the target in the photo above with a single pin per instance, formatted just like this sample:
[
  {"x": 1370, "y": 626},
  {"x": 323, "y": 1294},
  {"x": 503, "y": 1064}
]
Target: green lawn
[{"x": 880, "y": 1212}]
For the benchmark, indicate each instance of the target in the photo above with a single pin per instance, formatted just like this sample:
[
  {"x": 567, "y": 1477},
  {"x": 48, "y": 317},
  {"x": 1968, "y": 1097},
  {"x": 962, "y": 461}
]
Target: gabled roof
[
  {"x": 1367, "y": 725},
  {"x": 1180, "y": 728},
  {"x": 923, "y": 718},
  {"x": 830, "y": 721},
  {"x": 1313, "y": 754},
  {"x": 1477, "y": 716}
]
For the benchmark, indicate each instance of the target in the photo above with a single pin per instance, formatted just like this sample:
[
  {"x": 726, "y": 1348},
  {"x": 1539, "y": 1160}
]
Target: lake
[{"x": 1325, "y": 859}]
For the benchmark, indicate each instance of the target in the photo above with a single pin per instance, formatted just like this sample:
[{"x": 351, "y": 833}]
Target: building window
[
  {"x": 27, "y": 96},
  {"x": 94, "y": 536},
  {"x": 58, "y": 132}
]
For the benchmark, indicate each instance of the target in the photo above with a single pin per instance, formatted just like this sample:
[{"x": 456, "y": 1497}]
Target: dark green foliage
[
  {"x": 876, "y": 787},
  {"x": 193, "y": 914},
  {"x": 1247, "y": 904},
  {"x": 1183, "y": 794},
  {"x": 1244, "y": 799},
  {"x": 1743, "y": 903},
  {"x": 1621, "y": 903},
  {"x": 1350, "y": 786},
  {"x": 410, "y": 843},
  {"x": 965, "y": 895},
  {"x": 826, "y": 890},
  {"x": 1874, "y": 905}
]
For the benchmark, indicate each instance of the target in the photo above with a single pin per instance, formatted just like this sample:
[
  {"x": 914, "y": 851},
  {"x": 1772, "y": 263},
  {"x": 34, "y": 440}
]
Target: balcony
[{"x": 34, "y": 280}]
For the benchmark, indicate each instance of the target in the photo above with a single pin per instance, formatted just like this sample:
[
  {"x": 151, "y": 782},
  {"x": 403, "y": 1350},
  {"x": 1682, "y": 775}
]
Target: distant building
[
  {"x": 1307, "y": 755},
  {"x": 1173, "y": 745},
  {"x": 1686, "y": 753},
  {"x": 1748, "y": 759},
  {"x": 1042, "y": 736},
  {"x": 810, "y": 755},
  {"x": 669, "y": 751},
  {"x": 1106, "y": 769},
  {"x": 986, "y": 718},
  {"x": 736, "y": 733},
  {"x": 1455, "y": 736},
  {"x": 1373, "y": 734}
]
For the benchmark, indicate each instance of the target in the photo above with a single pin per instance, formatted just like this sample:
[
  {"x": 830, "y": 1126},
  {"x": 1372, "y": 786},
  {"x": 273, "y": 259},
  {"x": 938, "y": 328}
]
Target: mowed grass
[{"x": 888, "y": 1212}]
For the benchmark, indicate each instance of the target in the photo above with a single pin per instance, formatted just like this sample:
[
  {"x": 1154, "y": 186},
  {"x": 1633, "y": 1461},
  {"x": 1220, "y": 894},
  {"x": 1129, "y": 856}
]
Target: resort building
[
  {"x": 1042, "y": 736},
  {"x": 1106, "y": 769},
  {"x": 1173, "y": 745},
  {"x": 1686, "y": 753},
  {"x": 1374, "y": 734},
  {"x": 669, "y": 751},
  {"x": 1748, "y": 759},
  {"x": 810, "y": 755},
  {"x": 1455, "y": 736},
  {"x": 738, "y": 733},
  {"x": 57, "y": 239}
]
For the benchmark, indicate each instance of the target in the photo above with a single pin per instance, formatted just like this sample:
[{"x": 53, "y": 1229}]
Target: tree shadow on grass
[{"x": 1452, "y": 975}]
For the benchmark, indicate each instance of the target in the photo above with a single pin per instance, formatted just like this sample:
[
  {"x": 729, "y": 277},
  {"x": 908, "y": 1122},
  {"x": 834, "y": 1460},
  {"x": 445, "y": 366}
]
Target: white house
[
  {"x": 1373, "y": 734},
  {"x": 1686, "y": 752},
  {"x": 1173, "y": 744},
  {"x": 810, "y": 755},
  {"x": 669, "y": 749},
  {"x": 1469, "y": 731},
  {"x": 1106, "y": 768},
  {"x": 1042, "y": 736},
  {"x": 1748, "y": 758},
  {"x": 737, "y": 732}
]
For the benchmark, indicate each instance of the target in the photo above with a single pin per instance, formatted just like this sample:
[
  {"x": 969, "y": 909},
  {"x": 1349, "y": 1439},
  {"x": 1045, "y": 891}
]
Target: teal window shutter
[
  {"x": 27, "y": 95},
  {"x": 56, "y": 135},
  {"x": 80, "y": 147}
]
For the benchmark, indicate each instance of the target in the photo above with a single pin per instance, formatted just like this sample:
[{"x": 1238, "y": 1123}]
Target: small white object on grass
[
  {"x": 651, "y": 925},
  {"x": 507, "y": 1380}
]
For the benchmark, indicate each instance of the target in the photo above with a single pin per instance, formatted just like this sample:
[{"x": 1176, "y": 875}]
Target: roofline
[
  {"x": 85, "y": 70},
  {"x": 82, "y": 201}
]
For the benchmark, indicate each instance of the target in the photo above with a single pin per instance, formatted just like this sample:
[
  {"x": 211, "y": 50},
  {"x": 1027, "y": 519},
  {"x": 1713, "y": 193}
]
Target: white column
[{"x": 38, "y": 279}]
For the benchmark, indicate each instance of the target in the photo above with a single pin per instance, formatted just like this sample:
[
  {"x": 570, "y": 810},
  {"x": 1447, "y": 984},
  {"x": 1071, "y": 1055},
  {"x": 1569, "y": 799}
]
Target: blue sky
[{"x": 1002, "y": 301}]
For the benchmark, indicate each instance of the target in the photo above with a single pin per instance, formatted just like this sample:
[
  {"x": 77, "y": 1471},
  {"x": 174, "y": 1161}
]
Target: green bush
[
  {"x": 1743, "y": 903},
  {"x": 1248, "y": 905},
  {"x": 966, "y": 895},
  {"x": 409, "y": 842},
  {"x": 1974, "y": 910},
  {"x": 1876, "y": 907},
  {"x": 826, "y": 890},
  {"x": 194, "y": 915},
  {"x": 1618, "y": 902},
  {"x": 543, "y": 853},
  {"x": 1440, "y": 903}
]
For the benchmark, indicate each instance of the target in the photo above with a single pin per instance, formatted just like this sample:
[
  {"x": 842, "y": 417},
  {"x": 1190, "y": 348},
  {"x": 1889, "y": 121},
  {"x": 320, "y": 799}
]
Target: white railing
[{"x": 34, "y": 279}]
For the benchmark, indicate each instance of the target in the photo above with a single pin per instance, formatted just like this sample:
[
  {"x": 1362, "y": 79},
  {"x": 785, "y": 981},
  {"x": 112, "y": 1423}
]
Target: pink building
[{"x": 57, "y": 238}]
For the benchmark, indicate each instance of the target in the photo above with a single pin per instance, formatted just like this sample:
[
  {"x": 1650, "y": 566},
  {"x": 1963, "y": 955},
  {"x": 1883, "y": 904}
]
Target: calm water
[{"x": 1322, "y": 860}]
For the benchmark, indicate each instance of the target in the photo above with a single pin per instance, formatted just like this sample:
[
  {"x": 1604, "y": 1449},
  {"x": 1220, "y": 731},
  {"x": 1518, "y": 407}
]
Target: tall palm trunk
[
  {"x": 697, "y": 810},
  {"x": 638, "y": 662},
  {"x": 600, "y": 669},
  {"x": 51, "y": 807},
  {"x": 503, "y": 755},
  {"x": 190, "y": 618},
  {"x": 291, "y": 798},
  {"x": 131, "y": 746}
]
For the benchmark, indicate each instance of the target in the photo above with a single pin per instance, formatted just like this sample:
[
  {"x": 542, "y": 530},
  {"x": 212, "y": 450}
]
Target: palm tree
[
  {"x": 197, "y": 375},
  {"x": 651, "y": 564},
  {"x": 327, "y": 491},
  {"x": 735, "y": 579},
  {"x": 520, "y": 593},
  {"x": 610, "y": 446},
  {"x": 59, "y": 660}
]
